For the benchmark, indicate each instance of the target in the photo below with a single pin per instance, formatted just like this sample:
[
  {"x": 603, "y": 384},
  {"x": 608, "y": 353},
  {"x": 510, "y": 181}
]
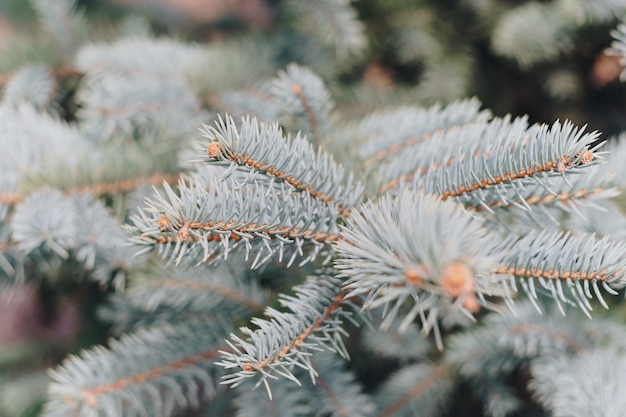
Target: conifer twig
[
  {"x": 92, "y": 394},
  {"x": 511, "y": 156},
  {"x": 285, "y": 339},
  {"x": 341, "y": 409},
  {"x": 157, "y": 359},
  {"x": 387, "y": 131},
  {"x": 222, "y": 290},
  {"x": 296, "y": 340},
  {"x": 233, "y": 231},
  {"x": 538, "y": 200},
  {"x": 214, "y": 150},
  {"x": 406, "y": 143},
  {"x": 560, "y": 166},
  {"x": 261, "y": 147},
  {"x": 416, "y": 390},
  {"x": 202, "y": 221},
  {"x": 61, "y": 73},
  {"x": 302, "y": 97},
  {"x": 601, "y": 276},
  {"x": 102, "y": 188},
  {"x": 315, "y": 128},
  {"x": 558, "y": 261},
  {"x": 528, "y": 328}
]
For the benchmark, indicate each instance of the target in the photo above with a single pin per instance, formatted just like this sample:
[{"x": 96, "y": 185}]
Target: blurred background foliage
[{"x": 542, "y": 58}]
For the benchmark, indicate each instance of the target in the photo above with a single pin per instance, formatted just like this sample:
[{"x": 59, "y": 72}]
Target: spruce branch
[
  {"x": 124, "y": 185},
  {"x": 101, "y": 189},
  {"x": 609, "y": 222},
  {"x": 45, "y": 219},
  {"x": 260, "y": 147},
  {"x": 615, "y": 150},
  {"x": 336, "y": 393},
  {"x": 421, "y": 255},
  {"x": 102, "y": 170},
  {"x": 521, "y": 157},
  {"x": 498, "y": 398},
  {"x": 34, "y": 85},
  {"x": 563, "y": 263},
  {"x": 618, "y": 46},
  {"x": 393, "y": 344},
  {"x": 128, "y": 314},
  {"x": 297, "y": 98},
  {"x": 61, "y": 20},
  {"x": 123, "y": 92},
  {"x": 75, "y": 227},
  {"x": 285, "y": 341},
  {"x": 417, "y": 249},
  {"x": 118, "y": 105},
  {"x": 213, "y": 71},
  {"x": 333, "y": 404},
  {"x": 29, "y": 138},
  {"x": 18, "y": 52},
  {"x": 97, "y": 231},
  {"x": 60, "y": 74},
  {"x": 288, "y": 400},
  {"x": 505, "y": 341},
  {"x": 469, "y": 140},
  {"x": 161, "y": 57},
  {"x": 302, "y": 95},
  {"x": 43, "y": 152},
  {"x": 181, "y": 294},
  {"x": 257, "y": 100},
  {"x": 420, "y": 386},
  {"x": 151, "y": 372},
  {"x": 18, "y": 395},
  {"x": 392, "y": 132},
  {"x": 417, "y": 42},
  {"x": 567, "y": 193},
  {"x": 505, "y": 344},
  {"x": 409, "y": 142},
  {"x": 8, "y": 195},
  {"x": 223, "y": 291},
  {"x": 207, "y": 222},
  {"x": 533, "y": 32},
  {"x": 334, "y": 23},
  {"x": 11, "y": 259},
  {"x": 589, "y": 384}
]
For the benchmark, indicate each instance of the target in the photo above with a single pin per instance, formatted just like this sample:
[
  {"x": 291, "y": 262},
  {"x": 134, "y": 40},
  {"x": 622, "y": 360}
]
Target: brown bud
[
  {"x": 457, "y": 279},
  {"x": 414, "y": 277},
  {"x": 183, "y": 233},
  {"x": 163, "y": 223},
  {"x": 213, "y": 150},
  {"x": 587, "y": 157},
  {"x": 471, "y": 303}
]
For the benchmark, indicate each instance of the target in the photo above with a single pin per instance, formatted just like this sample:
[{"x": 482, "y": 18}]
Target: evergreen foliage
[{"x": 269, "y": 223}]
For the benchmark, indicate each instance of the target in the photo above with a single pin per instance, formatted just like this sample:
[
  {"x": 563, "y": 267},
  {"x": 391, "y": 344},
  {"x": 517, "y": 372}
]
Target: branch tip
[
  {"x": 214, "y": 149},
  {"x": 457, "y": 280},
  {"x": 164, "y": 223},
  {"x": 183, "y": 232},
  {"x": 414, "y": 276}
]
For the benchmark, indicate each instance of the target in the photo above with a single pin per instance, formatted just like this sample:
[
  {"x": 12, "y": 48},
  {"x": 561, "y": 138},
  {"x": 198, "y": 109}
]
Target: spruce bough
[{"x": 262, "y": 246}]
